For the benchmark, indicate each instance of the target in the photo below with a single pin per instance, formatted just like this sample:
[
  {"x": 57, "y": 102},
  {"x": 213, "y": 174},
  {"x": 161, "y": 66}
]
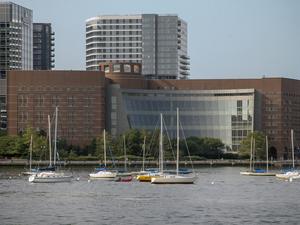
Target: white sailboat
[
  {"x": 147, "y": 177},
  {"x": 104, "y": 174},
  {"x": 142, "y": 171},
  {"x": 30, "y": 171},
  {"x": 50, "y": 176},
  {"x": 293, "y": 174},
  {"x": 252, "y": 171},
  {"x": 124, "y": 176},
  {"x": 174, "y": 179}
]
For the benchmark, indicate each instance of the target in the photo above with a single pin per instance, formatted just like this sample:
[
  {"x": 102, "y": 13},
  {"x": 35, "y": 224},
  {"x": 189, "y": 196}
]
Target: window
[
  {"x": 136, "y": 69},
  {"x": 106, "y": 69},
  {"x": 2, "y": 74},
  {"x": 127, "y": 68},
  {"x": 117, "y": 68}
]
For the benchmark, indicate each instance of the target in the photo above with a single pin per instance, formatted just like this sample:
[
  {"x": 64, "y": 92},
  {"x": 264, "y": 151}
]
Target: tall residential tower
[
  {"x": 15, "y": 46},
  {"x": 43, "y": 46},
  {"x": 157, "y": 42}
]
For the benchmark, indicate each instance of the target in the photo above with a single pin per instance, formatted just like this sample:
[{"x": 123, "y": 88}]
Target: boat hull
[
  {"x": 146, "y": 178},
  {"x": 49, "y": 178},
  {"x": 288, "y": 175},
  {"x": 257, "y": 174},
  {"x": 173, "y": 180},
  {"x": 103, "y": 175},
  {"x": 124, "y": 179},
  {"x": 28, "y": 173}
]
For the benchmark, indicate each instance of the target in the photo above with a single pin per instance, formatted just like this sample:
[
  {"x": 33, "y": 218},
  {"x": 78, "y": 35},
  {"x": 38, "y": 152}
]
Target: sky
[{"x": 226, "y": 38}]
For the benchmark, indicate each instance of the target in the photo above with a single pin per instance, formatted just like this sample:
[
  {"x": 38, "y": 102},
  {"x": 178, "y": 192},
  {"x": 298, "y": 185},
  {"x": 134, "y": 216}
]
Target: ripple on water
[{"x": 231, "y": 199}]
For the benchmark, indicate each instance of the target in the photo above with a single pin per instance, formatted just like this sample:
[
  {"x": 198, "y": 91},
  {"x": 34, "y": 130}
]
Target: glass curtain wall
[{"x": 227, "y": 115}]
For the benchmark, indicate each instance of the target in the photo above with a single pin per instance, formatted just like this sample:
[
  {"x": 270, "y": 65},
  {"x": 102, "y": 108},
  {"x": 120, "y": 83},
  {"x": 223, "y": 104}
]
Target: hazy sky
[{"x": 226, "y": 38}]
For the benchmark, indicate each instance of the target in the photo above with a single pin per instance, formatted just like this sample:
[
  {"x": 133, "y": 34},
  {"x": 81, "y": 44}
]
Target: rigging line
[
  {"x": 187, "y": 146},
  {"x": 148, "y": 150},
  {"x": 152, "y": 139},
  {"x": 164, "y": 123},
  {"x": 112, "y": 157}
]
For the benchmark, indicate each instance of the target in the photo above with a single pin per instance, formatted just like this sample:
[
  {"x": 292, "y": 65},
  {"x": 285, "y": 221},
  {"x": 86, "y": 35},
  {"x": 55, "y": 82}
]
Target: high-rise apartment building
[
  {"x": 43, "y": 46},
  {"x": 157, "y": 42},
  {"x": 15, "y": 46}
]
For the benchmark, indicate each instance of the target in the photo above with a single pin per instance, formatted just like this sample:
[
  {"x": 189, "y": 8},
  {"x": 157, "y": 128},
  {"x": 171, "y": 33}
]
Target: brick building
[
  {"x": 89, "y": 101},
  {"x": 79, "y": 96}
]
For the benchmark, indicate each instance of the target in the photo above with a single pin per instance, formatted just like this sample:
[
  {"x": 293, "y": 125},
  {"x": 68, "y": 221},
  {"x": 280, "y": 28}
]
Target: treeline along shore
[{"x": 150, "y": 163}]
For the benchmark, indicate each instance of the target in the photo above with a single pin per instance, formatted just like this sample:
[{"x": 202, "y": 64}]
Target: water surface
[{"x": 220, "y": 196}]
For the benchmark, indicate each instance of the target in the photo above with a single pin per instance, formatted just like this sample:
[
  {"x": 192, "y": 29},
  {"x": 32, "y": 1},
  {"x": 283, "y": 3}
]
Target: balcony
[
  {"x": 184, "y": 67},
  {"x": 184, "y": 57},
  {"x": 185, "y": 73},
  {"x": 184, "y": 62}
]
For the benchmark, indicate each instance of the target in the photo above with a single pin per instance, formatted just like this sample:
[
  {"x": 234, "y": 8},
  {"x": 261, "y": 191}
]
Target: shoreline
[{"x": 217, "y": 162}]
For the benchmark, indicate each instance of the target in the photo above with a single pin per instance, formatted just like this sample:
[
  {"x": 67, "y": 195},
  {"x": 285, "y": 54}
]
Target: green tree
[
  {"x": 100, "y": 146},
  {"x": 39, "y": 142},
  {"x": 205, "y": 147},
  {"x": 259, "y": 145},
  {"x": 3, "y": 133},
  {"x": 11, "y": 146}
]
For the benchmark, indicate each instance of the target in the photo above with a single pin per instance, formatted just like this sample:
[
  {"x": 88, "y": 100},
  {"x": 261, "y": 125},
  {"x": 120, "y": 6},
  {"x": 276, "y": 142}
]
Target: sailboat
[
  {"x": 258, "y": 172},
  {"x": 293, "y": 174},
  {"x": 124, "y": 176},
  {"x": 30, "y": 171},
  {"x": 143, "y": 171},
  {"x": 153, "y": 174},
  {"x": 50, "y": 176},
  {"x": 104, "y": 174},
  {"x": 174, "y": 179}
]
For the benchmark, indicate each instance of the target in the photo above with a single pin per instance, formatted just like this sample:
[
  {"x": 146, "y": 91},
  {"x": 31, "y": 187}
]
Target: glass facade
[
  {"x": 15, "y": 46},
  {"x": 223, "y": 114},
  {"x": 43, "y": 46}
]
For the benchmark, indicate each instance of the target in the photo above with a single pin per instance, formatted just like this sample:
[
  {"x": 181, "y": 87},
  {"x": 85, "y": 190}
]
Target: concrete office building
[
  {"x": 43, "y": 46},
  {"x": 157, "y": 42},
  {"x": 15, "y": 46}
]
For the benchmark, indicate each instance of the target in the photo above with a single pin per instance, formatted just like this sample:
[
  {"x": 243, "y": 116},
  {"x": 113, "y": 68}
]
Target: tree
[
  {"x": 100, "y": 145},
  {"x": 259, "y": 148},
  {"x": 3, "y": 133},
  {"x": 39, "y": 142},
  {"x": 205, "y": 147},
  {"x": 11, "y": 146}
]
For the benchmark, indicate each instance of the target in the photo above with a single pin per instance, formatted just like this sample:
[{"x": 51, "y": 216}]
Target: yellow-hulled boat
[{"x": 147, "y": 177}]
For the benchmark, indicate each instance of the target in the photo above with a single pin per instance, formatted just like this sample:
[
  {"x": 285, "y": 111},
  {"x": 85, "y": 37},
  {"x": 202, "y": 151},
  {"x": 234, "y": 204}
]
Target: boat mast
[
  {"x": 267, "y": 153},
  {"x": 125, "y": 156},
  {"x": 50, "y": 153},
  {"x": 161, "y": 145},
  {"x": 292, "y": 139},
  {"x": 251, "y": 152},
  {"x": 177, "y": 159},
  {"x": 144, "y": 146},
  {"x": 55, "y": 136},
  {"x": 254, "y": 154},
  {"x": 104, "y": 147},
  {"x": 30, "y": 154}
]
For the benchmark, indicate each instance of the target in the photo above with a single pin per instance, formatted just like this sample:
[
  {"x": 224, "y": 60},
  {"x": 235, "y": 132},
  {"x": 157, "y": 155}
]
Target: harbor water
[{"x": 219, "y": 196}]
